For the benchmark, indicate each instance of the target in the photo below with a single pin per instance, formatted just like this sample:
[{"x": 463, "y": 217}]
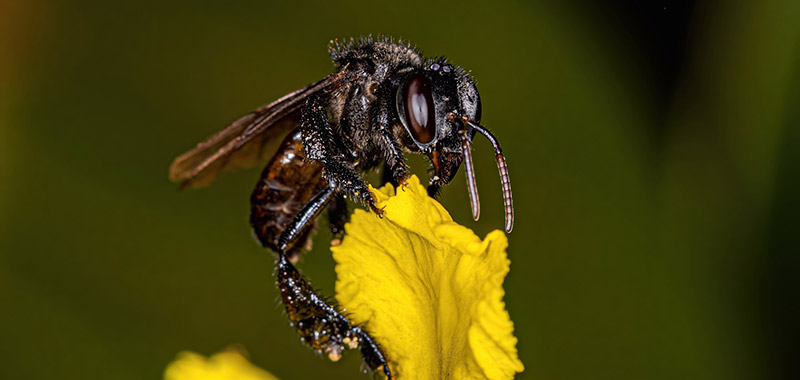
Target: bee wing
[{"x": 242, "y": 144}]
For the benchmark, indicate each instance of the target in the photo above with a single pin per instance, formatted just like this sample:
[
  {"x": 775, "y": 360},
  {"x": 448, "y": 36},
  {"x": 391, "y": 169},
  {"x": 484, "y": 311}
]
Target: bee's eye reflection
[{"x": 419, "y": 108}]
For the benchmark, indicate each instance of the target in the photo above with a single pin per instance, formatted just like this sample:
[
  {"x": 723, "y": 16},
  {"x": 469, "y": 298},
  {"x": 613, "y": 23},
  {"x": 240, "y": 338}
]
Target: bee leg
[
  {"x": 320, "y": 326},
  {"x": 304, "y": 219},
  {"x": 382, "y": 118},
  {"x": 397, "y": 172},
  {"x": 345, "y": 180},
  {"x": 321, "y": 145}
]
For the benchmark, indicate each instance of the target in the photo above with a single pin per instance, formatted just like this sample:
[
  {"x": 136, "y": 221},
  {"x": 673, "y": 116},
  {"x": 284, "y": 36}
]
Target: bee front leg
[
  {"x": 381, "y": 119},
  {"x": 321, "y": 144},
  {"x": 395, "y": 162},
  {"x": 345, "y": 180}
]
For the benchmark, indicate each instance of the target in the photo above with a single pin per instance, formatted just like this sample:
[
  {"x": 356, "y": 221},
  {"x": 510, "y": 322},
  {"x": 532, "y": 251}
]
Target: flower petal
[
  {"x": 428, "y": 289},
  {"x": 225, "y": 365}
]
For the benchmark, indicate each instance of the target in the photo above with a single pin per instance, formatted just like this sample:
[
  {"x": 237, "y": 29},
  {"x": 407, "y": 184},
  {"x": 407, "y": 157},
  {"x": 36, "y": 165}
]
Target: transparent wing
[{"x": 243, "y": 143}]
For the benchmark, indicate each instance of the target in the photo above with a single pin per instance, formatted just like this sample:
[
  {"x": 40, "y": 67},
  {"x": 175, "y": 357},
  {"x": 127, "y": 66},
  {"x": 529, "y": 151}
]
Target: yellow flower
[
  {"x": 427, "y": 289},
  {"x": 226, "y": 365}
]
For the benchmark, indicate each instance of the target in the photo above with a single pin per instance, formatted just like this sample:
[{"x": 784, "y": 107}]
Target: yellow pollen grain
[{"x": 334, "y": 356}]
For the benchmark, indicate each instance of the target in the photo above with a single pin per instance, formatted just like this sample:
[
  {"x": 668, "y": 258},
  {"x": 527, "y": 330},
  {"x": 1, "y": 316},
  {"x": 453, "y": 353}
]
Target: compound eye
[{"x": 419, "y": 109}]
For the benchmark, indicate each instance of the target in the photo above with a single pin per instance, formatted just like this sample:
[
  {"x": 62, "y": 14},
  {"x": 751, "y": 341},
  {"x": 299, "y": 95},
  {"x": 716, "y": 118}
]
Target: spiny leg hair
[{"x": 320, "y": 144}]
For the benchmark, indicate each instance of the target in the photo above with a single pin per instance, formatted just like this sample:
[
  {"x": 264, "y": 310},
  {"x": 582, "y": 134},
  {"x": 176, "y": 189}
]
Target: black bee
[{"x": 385, "y": 99}]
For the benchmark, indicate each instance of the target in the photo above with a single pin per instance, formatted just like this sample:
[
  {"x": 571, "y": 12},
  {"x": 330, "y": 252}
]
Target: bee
[{"x": 384, "y": 99}]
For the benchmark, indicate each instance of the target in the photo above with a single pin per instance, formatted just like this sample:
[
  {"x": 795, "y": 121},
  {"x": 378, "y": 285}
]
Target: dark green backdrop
[{"x": 636, "y": 254}]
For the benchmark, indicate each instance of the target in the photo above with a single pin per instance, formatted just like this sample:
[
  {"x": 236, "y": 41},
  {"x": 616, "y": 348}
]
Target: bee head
[{"x": 440, "y": 108}]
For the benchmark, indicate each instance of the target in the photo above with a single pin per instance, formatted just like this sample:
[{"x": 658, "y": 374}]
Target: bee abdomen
[{"x": 287, "y": 183}]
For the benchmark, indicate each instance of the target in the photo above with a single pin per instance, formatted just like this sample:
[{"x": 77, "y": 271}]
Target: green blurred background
[{"x": 652, "y": 146}]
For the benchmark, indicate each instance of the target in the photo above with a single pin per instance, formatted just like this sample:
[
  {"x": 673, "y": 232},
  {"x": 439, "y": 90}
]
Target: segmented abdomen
[{"x": 287, "y": 183}]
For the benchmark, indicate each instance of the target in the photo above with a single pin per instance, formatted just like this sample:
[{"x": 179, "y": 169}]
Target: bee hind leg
[
  {"x": 338, "y": 216},
  {"x": 320, "y": 325},
  {"x": 304, "y": 219}
]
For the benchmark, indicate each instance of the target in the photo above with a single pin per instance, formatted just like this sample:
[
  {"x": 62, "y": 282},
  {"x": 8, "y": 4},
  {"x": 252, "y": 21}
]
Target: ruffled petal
[{"x": 428, "y": 289}]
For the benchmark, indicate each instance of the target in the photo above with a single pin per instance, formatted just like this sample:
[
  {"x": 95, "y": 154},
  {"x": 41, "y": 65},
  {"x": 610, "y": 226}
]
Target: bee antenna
[
  {"x": 474, "y": 201},
  {"x": 508, "y": 202}
]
